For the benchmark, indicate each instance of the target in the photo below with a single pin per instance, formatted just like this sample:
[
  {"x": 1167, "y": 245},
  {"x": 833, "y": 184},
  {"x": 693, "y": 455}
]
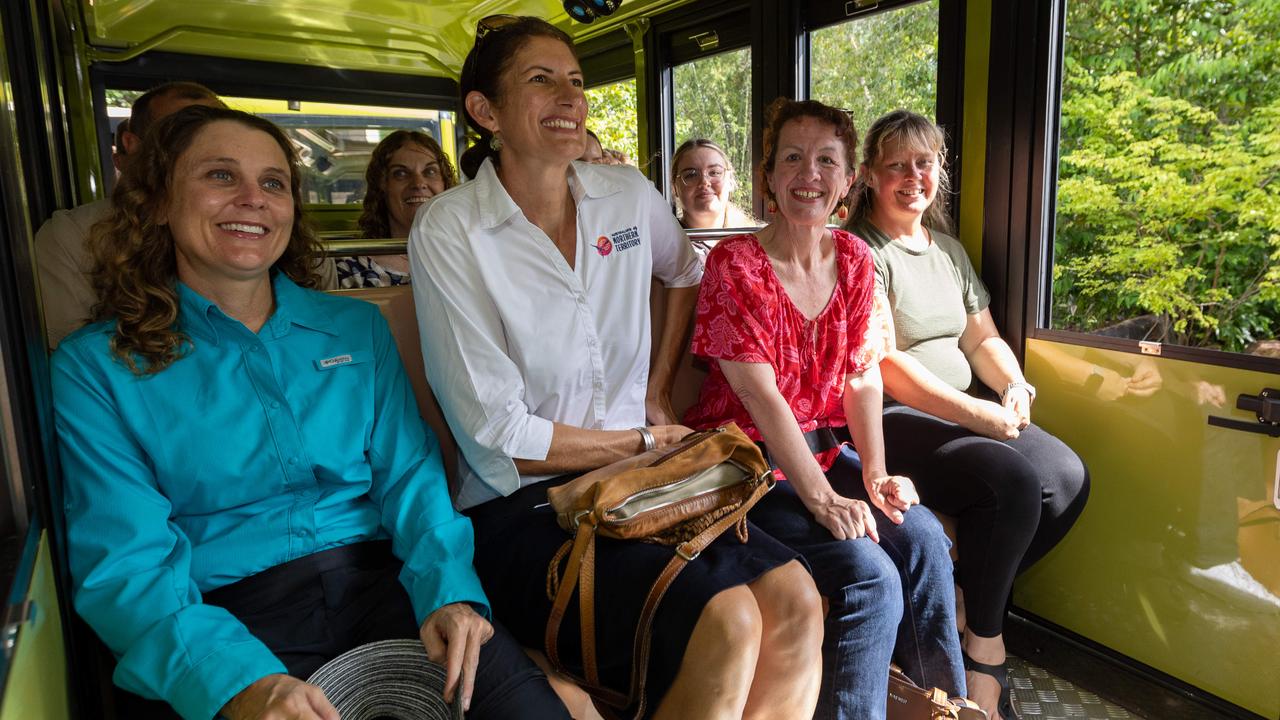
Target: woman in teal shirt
[{"x": 249, "y": 488}]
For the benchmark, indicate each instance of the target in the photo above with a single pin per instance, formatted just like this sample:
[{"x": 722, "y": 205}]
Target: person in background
[
  {"x": 118, "y": 151},
  {"x": 794, "y": 331},
  {"x": 528, "y": 285},
  {"x": 704, "y": 180},
  {"x": 1015, "y": 489},
  {"x": 405, "y": 170},
  {"x": 598, "y": 154},
  {"x": 61, "y": 259},
  {"x": 249, "y": 489}
]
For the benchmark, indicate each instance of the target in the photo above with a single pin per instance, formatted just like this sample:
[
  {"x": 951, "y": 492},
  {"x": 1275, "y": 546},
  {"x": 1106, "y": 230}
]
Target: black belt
[
  {"x": 279, "y": 583},
  {"x": 818, "y": 440}
]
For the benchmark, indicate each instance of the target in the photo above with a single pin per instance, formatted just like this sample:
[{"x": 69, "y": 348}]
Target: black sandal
[{"x": 1001, "y": 674}]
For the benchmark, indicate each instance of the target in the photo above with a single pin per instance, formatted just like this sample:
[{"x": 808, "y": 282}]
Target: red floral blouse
[{"x": 745, "y": 315}]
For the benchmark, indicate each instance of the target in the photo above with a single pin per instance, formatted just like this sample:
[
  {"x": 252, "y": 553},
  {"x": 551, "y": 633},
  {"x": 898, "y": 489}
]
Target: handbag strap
[{"x": 581, "y": 571}]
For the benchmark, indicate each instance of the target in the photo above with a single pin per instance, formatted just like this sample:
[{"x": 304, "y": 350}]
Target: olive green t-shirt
[{"x": 931, "y": 293}]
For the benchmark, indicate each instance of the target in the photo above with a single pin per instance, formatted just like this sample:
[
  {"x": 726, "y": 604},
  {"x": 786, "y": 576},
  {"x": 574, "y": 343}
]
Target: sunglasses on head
[{"x": 492, "y": 23}]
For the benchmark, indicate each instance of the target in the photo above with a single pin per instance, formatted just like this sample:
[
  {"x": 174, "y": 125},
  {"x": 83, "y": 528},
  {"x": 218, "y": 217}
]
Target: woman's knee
[
  {"x": 731, "y": 621},
  {"x": 869, "y": 584},
  {"x": 789, "y": 603}
]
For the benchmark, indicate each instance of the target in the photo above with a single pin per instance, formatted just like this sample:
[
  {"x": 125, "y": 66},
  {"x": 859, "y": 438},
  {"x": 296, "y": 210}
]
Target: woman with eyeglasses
[
  {"x": 1015, "y": 489},
  {"x": 405, "y": 170},
  {"x": 532, "y": 282},
  {"x": 703, "y": 179}
]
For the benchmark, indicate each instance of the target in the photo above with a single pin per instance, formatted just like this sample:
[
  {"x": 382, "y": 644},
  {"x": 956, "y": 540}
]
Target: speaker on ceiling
[{"x": 584, "y": 11}]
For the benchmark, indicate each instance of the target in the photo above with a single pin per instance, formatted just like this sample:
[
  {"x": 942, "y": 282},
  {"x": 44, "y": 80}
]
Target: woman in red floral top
[{"x": 791, "y": 320}]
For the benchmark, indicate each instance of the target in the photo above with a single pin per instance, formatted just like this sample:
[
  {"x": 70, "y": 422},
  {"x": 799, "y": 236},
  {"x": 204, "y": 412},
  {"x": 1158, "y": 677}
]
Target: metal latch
[
  {"x": 706, "y": 40},
  {"x": 853, "y": 7},
  {"x": 15, "y": 616},
  {"x": 1149, "y": 347}
]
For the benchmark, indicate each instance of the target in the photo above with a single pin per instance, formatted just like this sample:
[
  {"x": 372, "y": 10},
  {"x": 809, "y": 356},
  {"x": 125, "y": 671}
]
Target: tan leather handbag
[
  {"x": 908, "y": 701},
  {"x": 684, "y": 496}
]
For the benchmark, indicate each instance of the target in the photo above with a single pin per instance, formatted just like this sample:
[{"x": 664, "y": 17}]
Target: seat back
[{"x": 396, "y": 304}]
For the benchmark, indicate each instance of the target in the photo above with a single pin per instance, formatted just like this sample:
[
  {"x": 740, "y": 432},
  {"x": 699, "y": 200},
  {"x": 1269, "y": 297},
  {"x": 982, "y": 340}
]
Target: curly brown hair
[
  {"x": 915, "y": 131},
  {"x": 784, "y": 110},
  {"x": 134, "y": 272},
  {"x": 374, "y": 219}
]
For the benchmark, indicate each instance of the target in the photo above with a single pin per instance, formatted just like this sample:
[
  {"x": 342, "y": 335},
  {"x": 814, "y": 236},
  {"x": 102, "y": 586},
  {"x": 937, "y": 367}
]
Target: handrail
[{"x": 340, "y": 243}]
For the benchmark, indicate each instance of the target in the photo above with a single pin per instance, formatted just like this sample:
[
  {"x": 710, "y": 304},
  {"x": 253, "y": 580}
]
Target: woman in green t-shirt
[{"x": 1015, "y": 489}]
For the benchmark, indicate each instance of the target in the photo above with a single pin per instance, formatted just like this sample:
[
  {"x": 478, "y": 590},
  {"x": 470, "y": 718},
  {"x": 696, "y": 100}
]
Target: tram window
[
  {"x": 1167, "y": 196},
  {"x": 713, "y": 101},
  {"x": 333, "y": 140},
  {"x": 613, "y": 116},
  {"x": 877, "y": 63}
]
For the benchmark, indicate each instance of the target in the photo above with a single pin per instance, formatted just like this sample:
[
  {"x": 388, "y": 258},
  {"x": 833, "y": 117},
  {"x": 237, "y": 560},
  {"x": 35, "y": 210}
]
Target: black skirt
[{"x": 517, "y": 536}]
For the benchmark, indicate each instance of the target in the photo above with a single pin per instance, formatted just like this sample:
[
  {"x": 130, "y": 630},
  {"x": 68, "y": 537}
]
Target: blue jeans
[{"x": 888, "y": 601}]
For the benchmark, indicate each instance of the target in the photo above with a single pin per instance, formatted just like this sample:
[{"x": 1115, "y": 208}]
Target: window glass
[
  {"x": 874, "y": 64},
  {"x": 713, "y": 101},
  {"x": 333, "y": 140},
  {"x": 613, "y": 117},
  {"x": 1168, "y": 194}
]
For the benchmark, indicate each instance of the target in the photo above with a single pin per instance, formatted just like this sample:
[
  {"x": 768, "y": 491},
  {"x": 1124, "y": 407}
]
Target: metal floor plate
[{"x": 1040, "y": 695}]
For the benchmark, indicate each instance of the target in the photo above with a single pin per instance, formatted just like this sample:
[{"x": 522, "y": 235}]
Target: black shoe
[{"x": 1001, "y": 674}]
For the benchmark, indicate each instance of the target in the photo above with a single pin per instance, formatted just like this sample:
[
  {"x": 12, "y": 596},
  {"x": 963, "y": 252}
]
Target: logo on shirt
[
  {"x": 619, "y": 240},
  {"x": 335, "y": 361}
]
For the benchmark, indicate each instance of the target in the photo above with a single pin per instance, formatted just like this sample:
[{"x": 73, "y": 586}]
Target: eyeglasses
[
  {"x": 491, "y": 23},
  {"x": 693, "y": 177}
]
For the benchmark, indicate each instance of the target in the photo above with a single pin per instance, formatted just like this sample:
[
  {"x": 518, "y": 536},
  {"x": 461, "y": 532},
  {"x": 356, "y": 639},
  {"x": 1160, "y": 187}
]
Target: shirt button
[
  {"x": 293, "y": 461},
  {"x": 275, "y": 405}
]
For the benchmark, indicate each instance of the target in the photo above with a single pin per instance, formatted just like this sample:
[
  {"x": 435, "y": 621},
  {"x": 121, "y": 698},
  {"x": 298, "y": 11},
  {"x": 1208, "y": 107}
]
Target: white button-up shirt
[{"x": 514, "y": 339}]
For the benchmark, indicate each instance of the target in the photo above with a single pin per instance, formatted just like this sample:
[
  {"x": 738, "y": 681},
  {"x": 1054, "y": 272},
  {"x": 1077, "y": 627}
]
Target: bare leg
[
  {"x": 788, "y": 672},
  {"x": 719, "y": 661}
]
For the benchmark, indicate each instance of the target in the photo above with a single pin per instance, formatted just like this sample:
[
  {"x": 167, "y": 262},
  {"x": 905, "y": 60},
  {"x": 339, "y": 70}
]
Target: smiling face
[
  {"x": 810, "y": 174},
  {"x": 541, "y": 113},
  {"x": 413, "y": 176},
  {"x": 904, "y": 181},
  {"x": 704, "y": 182},
  {"x": 229, "y": 206}
]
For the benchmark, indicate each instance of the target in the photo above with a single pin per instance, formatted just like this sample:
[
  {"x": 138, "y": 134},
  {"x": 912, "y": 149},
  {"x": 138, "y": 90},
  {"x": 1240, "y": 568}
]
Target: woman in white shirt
[{"x": 532, "y": 288}]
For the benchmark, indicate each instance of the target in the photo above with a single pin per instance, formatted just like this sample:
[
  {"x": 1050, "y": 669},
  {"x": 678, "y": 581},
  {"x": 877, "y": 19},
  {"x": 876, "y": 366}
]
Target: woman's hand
[
  {"x": 452, "y": 636},
  {"x": 843, "y": 517},
  {"x": 1018, "y": 399},
  {"x": 892, "y": 494},
  {"x": 993, "y": 420},
  {"x": 665, "y": 435},
  {"x": 280, "y": 697}
]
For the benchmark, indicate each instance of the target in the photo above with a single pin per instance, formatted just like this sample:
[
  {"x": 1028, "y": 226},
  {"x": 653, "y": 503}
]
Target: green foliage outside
[
  {"x": 1169, "y": 172},
  {"x": 879, "y": 63},
  {"x": 613, "y": 116},
  {"x": 713, "y": 101}
]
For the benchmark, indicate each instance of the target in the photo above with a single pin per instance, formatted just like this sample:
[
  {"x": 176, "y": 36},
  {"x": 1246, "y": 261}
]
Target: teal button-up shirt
[{"x": 253, "y": 450}]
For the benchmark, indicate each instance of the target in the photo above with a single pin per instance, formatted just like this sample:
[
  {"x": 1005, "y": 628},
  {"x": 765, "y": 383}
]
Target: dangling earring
[
  {"x": 842, "y": 211},
  {"x": 495, "y": 142},
  {"x": 772, "y": 207}
]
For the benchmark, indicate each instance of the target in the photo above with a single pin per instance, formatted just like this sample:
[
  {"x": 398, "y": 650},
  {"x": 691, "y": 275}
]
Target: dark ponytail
[{"x": 488, "y": 60}]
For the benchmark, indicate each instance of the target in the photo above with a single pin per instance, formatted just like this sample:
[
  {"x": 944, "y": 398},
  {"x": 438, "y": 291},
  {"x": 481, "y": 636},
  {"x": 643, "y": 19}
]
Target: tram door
[{"x": 1155, "y": 351}]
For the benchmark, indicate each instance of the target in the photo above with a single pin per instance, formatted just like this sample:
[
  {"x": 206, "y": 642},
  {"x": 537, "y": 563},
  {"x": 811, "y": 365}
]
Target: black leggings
[{"x": 1014, "y": 500}]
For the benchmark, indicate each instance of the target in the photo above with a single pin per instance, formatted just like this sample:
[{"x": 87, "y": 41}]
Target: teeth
[
  {"x": 561, "y": 124},
  {"x": 807, "y": 194},
  {"x": 241, "y": 227},
  {"x": 416, "y": 200}
]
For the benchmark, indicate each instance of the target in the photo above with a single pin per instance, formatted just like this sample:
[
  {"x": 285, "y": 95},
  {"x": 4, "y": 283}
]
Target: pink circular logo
[{"x": 604, "y": 246}]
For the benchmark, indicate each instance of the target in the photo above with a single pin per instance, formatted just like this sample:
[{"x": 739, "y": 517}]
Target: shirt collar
[
  {"x": 201, "y": 317},
  {"x": 496, "y": 206}
]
